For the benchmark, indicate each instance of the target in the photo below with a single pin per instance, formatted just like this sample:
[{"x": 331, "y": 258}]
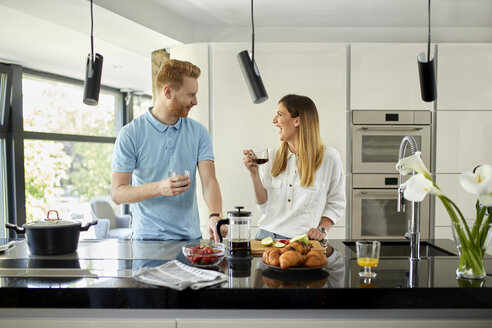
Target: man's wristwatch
[{"x": 215, "y": 214}]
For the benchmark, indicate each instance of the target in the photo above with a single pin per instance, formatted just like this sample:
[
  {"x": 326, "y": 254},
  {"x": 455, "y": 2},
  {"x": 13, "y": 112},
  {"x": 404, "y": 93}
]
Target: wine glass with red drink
[{"x": 260, "y": 156}]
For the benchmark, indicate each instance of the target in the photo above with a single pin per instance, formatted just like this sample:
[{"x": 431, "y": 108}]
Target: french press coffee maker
[{"x": 238, "y": 244}]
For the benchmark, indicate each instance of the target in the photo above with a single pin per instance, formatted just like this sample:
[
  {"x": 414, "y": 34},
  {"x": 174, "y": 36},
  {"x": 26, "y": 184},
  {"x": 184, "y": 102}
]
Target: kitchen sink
[{"x": 397, "y": 248}]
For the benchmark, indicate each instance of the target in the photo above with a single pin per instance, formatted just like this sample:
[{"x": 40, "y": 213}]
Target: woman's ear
[{"x": 297, "y": 121}]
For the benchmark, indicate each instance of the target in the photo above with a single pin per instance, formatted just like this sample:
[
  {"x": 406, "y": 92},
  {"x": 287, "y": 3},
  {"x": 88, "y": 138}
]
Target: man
[{"x": 154, "y": 146}]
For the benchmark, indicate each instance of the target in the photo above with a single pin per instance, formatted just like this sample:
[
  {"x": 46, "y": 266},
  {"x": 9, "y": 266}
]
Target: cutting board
[{"x": 257, "y": 248}]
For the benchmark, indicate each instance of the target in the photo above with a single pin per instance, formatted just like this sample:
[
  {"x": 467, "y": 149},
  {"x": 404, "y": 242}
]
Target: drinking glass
[
  {"x": 368, "y": 257},
  {"x": 174, "y": 173},
  {"x": 260, "y": 156},
  {"x": 186, "y": 173}
]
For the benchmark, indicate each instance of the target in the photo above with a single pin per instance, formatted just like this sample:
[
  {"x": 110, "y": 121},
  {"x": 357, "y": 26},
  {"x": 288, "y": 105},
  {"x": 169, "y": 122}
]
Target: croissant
[
  {"x": 291, "y": 259},
  {"x": 315, "y": 259},
  {"x": 271, "y": 257},
  {"x": 298, "y": 246}
]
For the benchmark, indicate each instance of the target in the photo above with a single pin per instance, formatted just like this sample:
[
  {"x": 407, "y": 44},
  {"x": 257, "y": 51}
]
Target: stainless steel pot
[{"x": 52, "y": 236}]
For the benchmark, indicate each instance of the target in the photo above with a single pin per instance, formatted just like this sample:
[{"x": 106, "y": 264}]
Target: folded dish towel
[{"x": 179, "y": 276}]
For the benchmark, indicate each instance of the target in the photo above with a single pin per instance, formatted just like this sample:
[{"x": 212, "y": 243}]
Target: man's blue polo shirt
[{"x": 151, "y": 149}]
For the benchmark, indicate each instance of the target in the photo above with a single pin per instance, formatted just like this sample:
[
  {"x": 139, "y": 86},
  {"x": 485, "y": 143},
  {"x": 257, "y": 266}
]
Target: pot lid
[
  {"x": 238, "y": 212},
  {"x": 49, "y": 223}
]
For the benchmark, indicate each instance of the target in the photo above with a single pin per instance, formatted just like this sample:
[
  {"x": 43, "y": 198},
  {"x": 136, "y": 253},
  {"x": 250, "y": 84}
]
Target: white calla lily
[
  {"x": 486, "y": 199},
  {"x": 417, "y": 187},
  {"x": 478, "y": 183},
  {"x": 413, "y": 163}
]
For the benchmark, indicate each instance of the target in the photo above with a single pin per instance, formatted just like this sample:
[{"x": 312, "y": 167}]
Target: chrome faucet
[{"x": 414, "y": 229}]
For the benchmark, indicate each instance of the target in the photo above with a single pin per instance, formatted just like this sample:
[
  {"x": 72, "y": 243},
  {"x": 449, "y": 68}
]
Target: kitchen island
[{"x": 99, "y": 278}]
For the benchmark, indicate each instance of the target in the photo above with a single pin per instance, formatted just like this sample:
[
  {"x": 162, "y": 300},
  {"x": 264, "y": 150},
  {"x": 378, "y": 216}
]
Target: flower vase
[{"x": 472, "y": 242}]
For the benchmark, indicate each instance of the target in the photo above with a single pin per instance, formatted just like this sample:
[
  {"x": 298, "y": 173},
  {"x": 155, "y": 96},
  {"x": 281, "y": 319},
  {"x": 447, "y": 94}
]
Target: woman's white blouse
[{"x": 292, "y": 210}]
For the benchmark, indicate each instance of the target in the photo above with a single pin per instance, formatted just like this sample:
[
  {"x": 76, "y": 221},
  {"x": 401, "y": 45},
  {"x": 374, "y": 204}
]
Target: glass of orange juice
[{"x": 367, "y": 256}]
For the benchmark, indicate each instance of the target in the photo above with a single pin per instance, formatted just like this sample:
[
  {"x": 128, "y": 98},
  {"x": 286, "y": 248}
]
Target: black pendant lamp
[
  {"x": 250, "y": 70},
  {"x": 427, "y": 69},
  {"x": 93, "y": 72}
]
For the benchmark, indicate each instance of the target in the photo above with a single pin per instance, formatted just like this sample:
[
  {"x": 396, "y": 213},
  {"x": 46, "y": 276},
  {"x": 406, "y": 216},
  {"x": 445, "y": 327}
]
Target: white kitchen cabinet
[
  {"x": 337, "y": 231},
  {"x": 462, "y": 140},
  {"x": 87, "y": 323},
  {"x": 464, "y": 76},
  {"x": 329, "y": 323},
  {"x": 226, "y": 323},
  {"x": 203, "y": 318},
  {"x": 386, "y": 77},
  {"x": 462, "y": 143},
  {"x": 450, "y": 185},
  {"x": 443, "y": 233}
]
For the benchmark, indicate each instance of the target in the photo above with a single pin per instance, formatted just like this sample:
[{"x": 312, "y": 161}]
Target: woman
[{"x": 302, "y": 188}]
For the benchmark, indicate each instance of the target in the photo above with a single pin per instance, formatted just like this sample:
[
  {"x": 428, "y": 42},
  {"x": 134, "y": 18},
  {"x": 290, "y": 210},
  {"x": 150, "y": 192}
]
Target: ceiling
[{"x": 53, "y": 35}]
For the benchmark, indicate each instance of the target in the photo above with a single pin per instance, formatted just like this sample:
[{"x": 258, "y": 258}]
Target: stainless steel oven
[
  {"x": 374, "y": 215},
  {"x": 376, "y": 138}
]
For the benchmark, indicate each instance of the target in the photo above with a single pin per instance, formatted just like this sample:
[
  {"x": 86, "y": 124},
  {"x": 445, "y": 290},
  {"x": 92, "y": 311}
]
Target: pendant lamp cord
[
  {"x": 92, "y": 36},
  {"x": 253, "y": 35},
  {"x": 429, "y": 33}
]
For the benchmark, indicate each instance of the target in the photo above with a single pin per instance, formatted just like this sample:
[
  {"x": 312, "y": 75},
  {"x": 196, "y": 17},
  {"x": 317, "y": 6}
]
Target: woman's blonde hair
[
  {"x": 310, "y": 148},
  {"x": 173, "y": 73}
]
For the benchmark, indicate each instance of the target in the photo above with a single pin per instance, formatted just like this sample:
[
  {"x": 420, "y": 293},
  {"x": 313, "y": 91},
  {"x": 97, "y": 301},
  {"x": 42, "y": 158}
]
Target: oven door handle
[
  {"x": 392, "y": 128},
  {"x": 389, "y": 192}
]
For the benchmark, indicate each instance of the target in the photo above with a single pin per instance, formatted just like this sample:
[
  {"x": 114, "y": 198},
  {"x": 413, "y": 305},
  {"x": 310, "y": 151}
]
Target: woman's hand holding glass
[
  {"x": 254, "y": 158},
  {"x": 249, "y": 162}
]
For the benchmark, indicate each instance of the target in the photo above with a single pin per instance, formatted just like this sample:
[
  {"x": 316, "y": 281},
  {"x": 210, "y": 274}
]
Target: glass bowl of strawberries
[{"x": 204, "y": 252}]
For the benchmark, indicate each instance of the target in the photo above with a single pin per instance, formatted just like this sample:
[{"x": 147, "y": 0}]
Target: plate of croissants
[{"x": 296, "y": 256}]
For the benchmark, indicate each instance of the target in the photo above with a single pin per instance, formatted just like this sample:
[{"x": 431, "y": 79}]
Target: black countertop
[{"x": 99, "y": 275}]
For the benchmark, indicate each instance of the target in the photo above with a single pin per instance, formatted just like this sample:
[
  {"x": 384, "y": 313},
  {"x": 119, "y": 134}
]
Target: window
[
  {"x": 57, "y": 107},
  {"x": 141, "y": 104},
  {"x": 67, "y": 147},
  {"x": 65, "y": 176}
]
